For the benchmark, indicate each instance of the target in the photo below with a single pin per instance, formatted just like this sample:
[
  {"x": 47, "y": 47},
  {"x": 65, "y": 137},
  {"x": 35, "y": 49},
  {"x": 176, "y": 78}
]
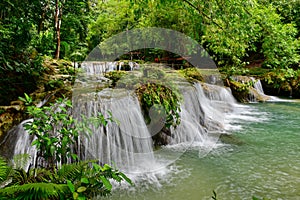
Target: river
[{"x": 260, "y": 158}]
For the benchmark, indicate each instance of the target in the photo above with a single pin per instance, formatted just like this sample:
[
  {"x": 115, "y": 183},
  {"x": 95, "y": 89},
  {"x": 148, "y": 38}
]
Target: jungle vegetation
[{"x": 236, "y": 33}]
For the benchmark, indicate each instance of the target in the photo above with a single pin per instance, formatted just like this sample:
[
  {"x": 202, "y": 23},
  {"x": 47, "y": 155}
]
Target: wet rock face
[
  {"x": 278, "y": 83},
  {"x": 244, "y": 89},
  {"x": 240, "y": 89},
  {"x": 55, "y": 82},
  {"x": 10, "y": 116}
]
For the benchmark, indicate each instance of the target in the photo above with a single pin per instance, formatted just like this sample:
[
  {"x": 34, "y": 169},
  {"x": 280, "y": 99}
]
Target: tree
[{"x": 57, "y": 25}]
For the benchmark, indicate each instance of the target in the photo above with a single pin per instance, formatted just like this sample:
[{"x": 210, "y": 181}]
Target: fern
[
  {"x": 32, "y": 191},
  {"x": 4, "y": 171},
  {"x": 71, "y": 171}
]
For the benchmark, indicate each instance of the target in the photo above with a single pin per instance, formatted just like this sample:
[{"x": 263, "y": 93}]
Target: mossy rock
[
  {"x": 277, "y": 84},
  {"x": 115, "y": 76},
  {"x": 239, "y": 90},
  {"x": 192, "y": 74},
  {"x": 11, "y": 116},
  {"x": 165, "y": 99}
]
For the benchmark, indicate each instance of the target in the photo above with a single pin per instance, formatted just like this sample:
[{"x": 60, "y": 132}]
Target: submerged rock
[{"x": 230, "y": 139}]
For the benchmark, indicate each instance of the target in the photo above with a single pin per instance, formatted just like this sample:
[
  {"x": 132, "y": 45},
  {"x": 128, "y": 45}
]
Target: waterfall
[
  {"x": 97, "y": 67},
  {"x": 18, "y": 142},
  {"x": 126, "y": 142},
  {"x": 258, "y": 92},
  {"x": 200, "y": 116},
  {"x": 257, "y": 85}
]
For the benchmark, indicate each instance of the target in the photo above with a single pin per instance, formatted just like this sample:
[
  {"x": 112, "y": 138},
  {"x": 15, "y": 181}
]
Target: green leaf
[
  {"x": 75, "y": 195},
  {"x": 81, "y": 189},
  {"x": 81, "y": 197},
  {"x": 106, "y": 183},
  {"x": 28, "y": 98},
  {"x": 74, "y": 156},
  {"x": 22, "y": 99},
  {"x": 96, "y": 166},
  {"x": 84, "y": 180},
  {"x": 106, "y": 167},
  {"x": 71, "y": 186},
  {"x": 35, "y": 142},
  {"x": 52, "y": 150},
  {"x": 128, "y": 180}
]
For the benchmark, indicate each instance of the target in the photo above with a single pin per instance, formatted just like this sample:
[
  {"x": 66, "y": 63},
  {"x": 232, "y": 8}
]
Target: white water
[
  {"x": 259, "y": 89},
  {"x": 98, "y": 68},
  {"x": 23, "y": 144},
  {"x": 127, "y": 142}
]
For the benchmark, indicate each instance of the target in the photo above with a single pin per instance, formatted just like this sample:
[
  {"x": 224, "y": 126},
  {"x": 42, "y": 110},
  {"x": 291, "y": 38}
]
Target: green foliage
[
  {"x": 36, "y": 191},
  {"x": 82, "y": 180},
  {"x": 279, "y": 45},
  {"x": 233, "y": 71},
  {"x": 233, "y": 31},
  {"x": 53, "y": 84},
  {"x": 21, "y": 160},
  {"x": 4, "y": 171},
  {"x": 27, "y": 100},
  {"x": 241, "y": 27},
  {"x": 56, "y": 130},
  {"x": 279, "y": 77},
  {"x": 240, "y": 89},
  {"x": 153, "y": 94},
  {"x": 137, "y": 14},
  {"x": 115, "y": 76},
  {"x": 91, "y": 181},
  {"x": 53, "y": 143},
  {"x": 192, "y": 74}
]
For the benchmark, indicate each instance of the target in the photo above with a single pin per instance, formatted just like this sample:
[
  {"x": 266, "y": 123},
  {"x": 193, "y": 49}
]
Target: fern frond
[
  {"x": 32, "y": 191},
  {"x": 71, "y": 171},
  {"x": 4, "y": 170}
]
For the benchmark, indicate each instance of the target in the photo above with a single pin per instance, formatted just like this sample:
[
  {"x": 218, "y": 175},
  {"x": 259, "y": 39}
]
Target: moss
[
  {"x": 161, "y": 108},
  {"x": 53, "y": 84},
  {"x": 153, "y": 94},
  {"x": 239, "y": 90},
  {"x": 115, "y": 76},
  {"x": 192, "y": 74},
  {"x": 10, "y": 116},
  {"x": 282, "y": 83}
]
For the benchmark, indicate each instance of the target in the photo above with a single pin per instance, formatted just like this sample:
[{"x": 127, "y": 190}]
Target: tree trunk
[
  {"x": 57, "y": 19},
  {"x": 43, "y": 16}
]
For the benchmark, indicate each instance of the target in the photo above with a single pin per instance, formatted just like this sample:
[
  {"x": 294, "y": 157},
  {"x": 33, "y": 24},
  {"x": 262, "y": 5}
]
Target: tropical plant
[
  {"x": 56, "y": 131},
  {"x": 157, "y": 95},
  {"x": 81, "y": 180}
]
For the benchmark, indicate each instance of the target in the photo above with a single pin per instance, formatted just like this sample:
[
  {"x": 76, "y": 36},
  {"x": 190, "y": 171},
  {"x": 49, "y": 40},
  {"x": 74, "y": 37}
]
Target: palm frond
[{"x": 32, "y": 191}]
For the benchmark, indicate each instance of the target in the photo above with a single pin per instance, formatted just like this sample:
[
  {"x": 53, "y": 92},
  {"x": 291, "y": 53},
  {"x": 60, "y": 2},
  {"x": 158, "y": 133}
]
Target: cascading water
[
  {"x": 257, "y": 85},
  {"x": 199, "y": 115},
  {"x": 127, "y": 142},
  {"x": 258, "y": 90},
  {"x": 92, "y": 68}
]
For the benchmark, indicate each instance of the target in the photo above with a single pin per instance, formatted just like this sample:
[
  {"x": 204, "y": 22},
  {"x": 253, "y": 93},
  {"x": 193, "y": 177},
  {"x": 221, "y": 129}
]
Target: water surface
[{"x": 261, "y": 158}]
